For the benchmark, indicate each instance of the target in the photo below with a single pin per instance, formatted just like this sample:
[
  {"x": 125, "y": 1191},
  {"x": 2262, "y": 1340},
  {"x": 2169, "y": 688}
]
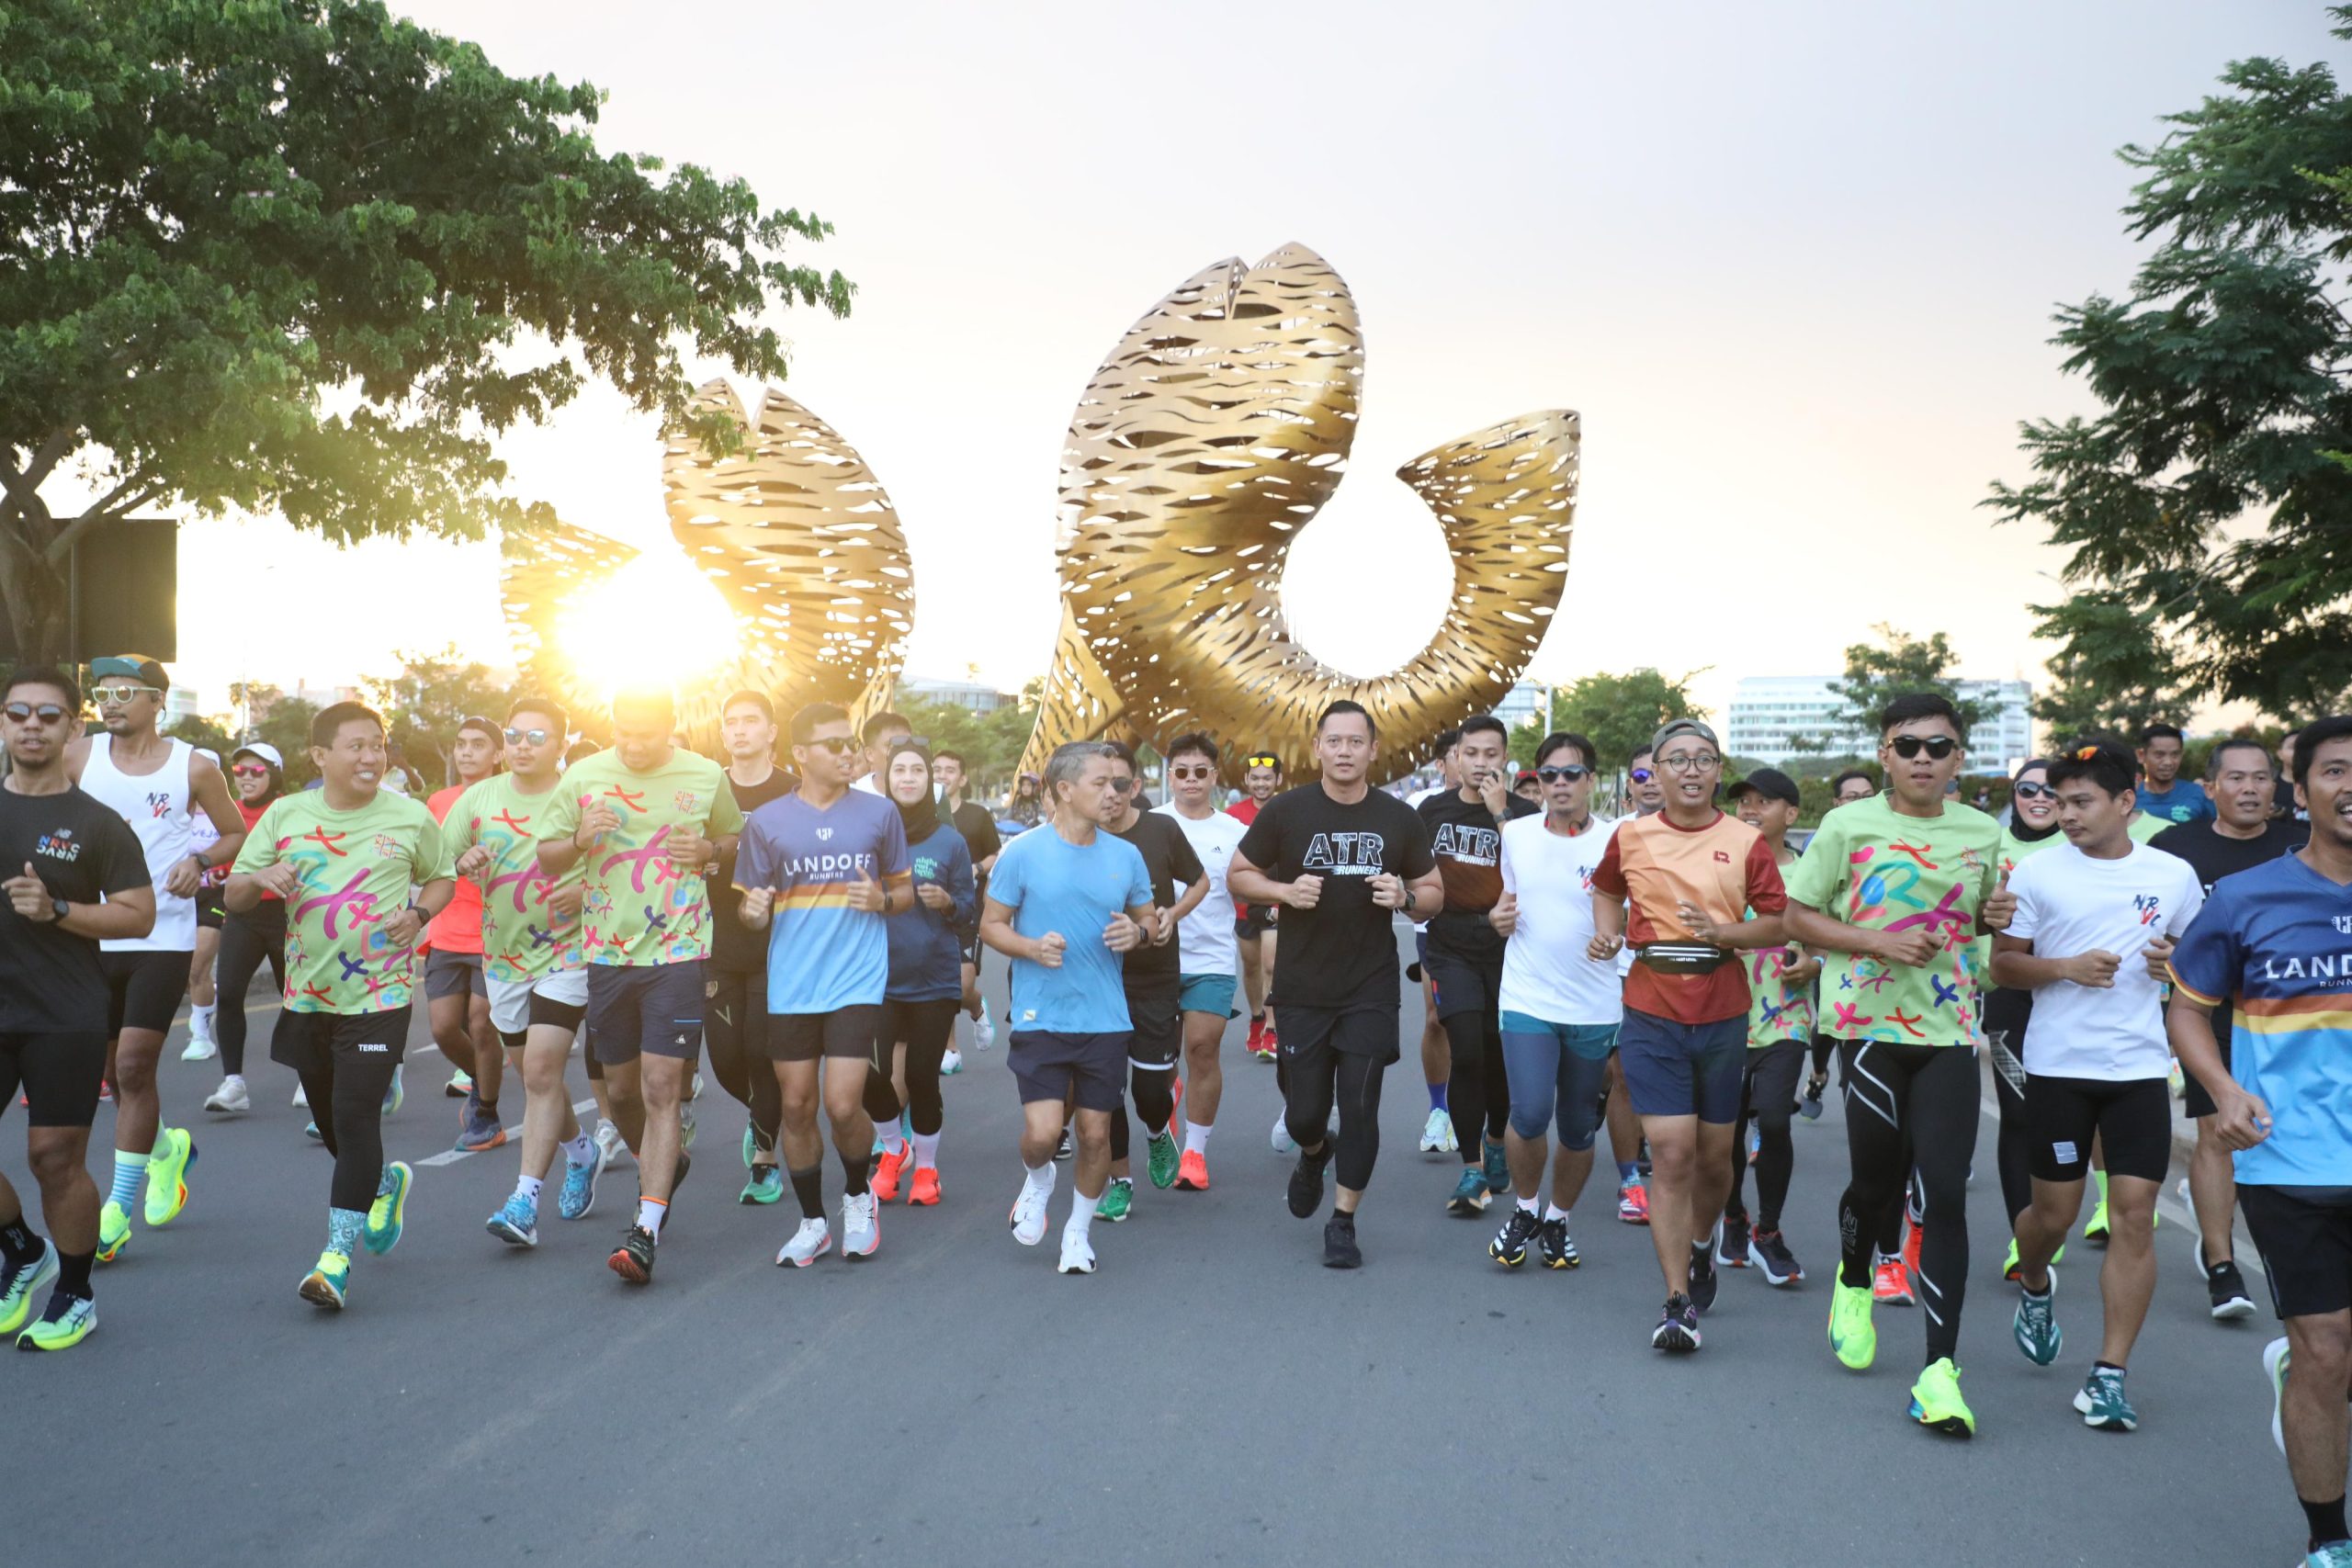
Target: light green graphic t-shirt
[
  {"x": 638, "y": 910},
  {"x": 357, "y": 869},
  {"x": 1869, "y": 866},
  {"x": 521, "y": 941}
]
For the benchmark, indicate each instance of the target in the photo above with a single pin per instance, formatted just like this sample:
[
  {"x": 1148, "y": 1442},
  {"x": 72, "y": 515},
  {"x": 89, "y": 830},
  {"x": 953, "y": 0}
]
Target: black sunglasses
[
  {"x": 839, "y": 745},
  {"x": 2033, "y": 790},
  {"x": 1571, "y": 772},
  {"x": 48, "y": 713},
  {"x": 1120, "y": 786},
  {"x": 1937, "y": 747}
]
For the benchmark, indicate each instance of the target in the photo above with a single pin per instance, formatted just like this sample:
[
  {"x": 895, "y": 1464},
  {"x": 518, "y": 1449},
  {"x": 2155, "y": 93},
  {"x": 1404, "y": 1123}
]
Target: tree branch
[{"x": 117, "y": 503}]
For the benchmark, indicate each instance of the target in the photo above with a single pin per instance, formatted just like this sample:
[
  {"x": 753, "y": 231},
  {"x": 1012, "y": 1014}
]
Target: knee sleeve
[{"x": 1155, "y": 1095}]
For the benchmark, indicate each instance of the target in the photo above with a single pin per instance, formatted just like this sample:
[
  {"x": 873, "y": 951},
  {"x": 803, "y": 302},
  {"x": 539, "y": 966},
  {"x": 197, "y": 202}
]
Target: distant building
[
  {"x": 179, "y": 703},
  {"x": 1522, "y": 703},
  {"x": 976, "y": 696},
  {"x": 1769, "y": 711}
]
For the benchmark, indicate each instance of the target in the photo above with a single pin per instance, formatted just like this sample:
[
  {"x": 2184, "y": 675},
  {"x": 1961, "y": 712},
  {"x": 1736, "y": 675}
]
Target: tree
[
  {"x": 204, "y": 734},
  {"x": 284, "y": 723},
  {"x": 2114, "y": 673},
  {"x": 1616, "y": 713},
  {"x": 1877, "y": 672},
  {"x": 2211, "y": 496},
  {"x": 424, "y": 704},
  {"x": 217, "y": 221}
]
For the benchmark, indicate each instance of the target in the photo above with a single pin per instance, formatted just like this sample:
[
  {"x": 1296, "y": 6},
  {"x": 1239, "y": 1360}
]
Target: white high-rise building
[{"x": 1769, "y": 711}]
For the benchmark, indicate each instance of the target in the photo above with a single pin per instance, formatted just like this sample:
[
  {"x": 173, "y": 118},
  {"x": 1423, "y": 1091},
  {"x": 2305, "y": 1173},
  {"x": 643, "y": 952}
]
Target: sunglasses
[
  {"x": 1273, "y": 762},
  {"x": 1572, "y": 772},
  {"x": 1937, "y": 747},
  {"x": 1203, "y": 772},
  {"x": 839, "y": 745},
  {"x": 2033, "y": 792},
  {"x": 1641, "y": 776},
  {"x": 1120, "y": 786},
  {"x": 115, "y": 696},
  {"x": 535, "y": 736},
  {"x": 48, "y": 713},
  {"x": 250, "y": 771}
]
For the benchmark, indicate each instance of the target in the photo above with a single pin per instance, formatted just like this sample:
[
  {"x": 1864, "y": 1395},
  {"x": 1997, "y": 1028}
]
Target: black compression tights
[
  {"x": 2005, "y": 1023},
  {"x": 1911, "y": 1109},
  {"x": 735, "y": 1028},
  {"x": 347, "y": 1099},
  {"x": 1767, "y": 1100},
  {"x": 927, "y": 1026},
  {"x": 1477, "y": 1091},
  {"x": 247, "y": 941},
  {"x": 1310, "y": 1088},
  {"x": 1153, "y": 1089}
]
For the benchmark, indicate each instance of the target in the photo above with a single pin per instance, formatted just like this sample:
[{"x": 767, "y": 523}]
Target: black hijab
[
  {"x": 922, "y": 819},
  {"x": 2018, "y": 830}
]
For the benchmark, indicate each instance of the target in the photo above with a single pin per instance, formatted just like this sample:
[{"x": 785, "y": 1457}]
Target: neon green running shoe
[
  {"x": 1117, "y": 1199},
  {"x": 2096, "y": 1230},
  {"x": 1850, "y": 1334},
  {"x": 1165, "y": 1156},
  {"x": 1935, "y": 1403},
  {"x": 66, "y": 1323},
  {"x": 389, "y": 1214},
  {"x": 325, "y": 1284},
  {"x": 167, "y": 1175},
  {"x": 114, "y": 1230},
  {"x": 20, "y": 1282}
]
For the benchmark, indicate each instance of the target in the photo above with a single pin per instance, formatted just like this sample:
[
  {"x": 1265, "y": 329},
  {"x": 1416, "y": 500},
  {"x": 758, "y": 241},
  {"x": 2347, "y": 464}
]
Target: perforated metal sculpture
[
  {"x": 801, "y": 542},
  {"x": 1216, "y": 429}
]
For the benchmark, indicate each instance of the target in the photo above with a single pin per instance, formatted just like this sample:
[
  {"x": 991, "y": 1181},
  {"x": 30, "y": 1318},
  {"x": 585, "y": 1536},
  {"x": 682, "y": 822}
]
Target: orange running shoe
[
  {"x": 1193, "y": 1172},
  {"x": 1257, "y": 1034},
  {"x": 886, "y": 1170},
  {"x": 1891, "y": 1283},
  {"x": 1911, "y": 1253},
  {"x": 1634, "y": 1204},
  {"x": 924, "y": 1188}
]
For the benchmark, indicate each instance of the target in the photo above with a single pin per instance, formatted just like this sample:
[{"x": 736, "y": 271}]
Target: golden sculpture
[
  {"x": 1216, "y": 429},
  {"x": 799, "y": 537}
]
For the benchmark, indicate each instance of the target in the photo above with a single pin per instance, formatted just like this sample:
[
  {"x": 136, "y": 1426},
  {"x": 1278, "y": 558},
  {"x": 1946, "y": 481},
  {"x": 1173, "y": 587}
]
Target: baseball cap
[
  {"x": 133, "y": 666},
  {"x": 1769, "y": 783},
  {"x": 1675, "y": 728},
  {"x": 1526, "y": 775},
  {"x": 261, "y": 749}
]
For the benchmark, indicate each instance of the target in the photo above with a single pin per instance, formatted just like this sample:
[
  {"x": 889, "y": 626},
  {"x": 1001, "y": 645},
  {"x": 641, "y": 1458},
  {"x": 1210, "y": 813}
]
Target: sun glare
[{"x": 656, "y": 620}]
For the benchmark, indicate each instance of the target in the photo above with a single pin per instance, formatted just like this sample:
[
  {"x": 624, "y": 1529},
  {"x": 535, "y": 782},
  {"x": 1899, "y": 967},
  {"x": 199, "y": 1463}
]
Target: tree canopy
[
  {"x": 302, "y": 255},
  {"x": 1616, "y": 713},
  {"x": 424, "y": 704},
  {"x": 1877, "y": 672}
]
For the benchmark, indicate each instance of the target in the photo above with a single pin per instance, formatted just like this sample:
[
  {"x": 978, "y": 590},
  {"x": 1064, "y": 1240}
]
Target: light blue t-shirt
[
  {"x": 822, "y": 955},
  {"x": 2184, "y": 802},
  {"x": 1052, "y": 884}
]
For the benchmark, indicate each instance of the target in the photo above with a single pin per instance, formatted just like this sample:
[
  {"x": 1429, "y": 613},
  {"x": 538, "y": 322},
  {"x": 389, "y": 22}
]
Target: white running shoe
[
  {"x": 2274, "y": 1373},
  {"x": 694, "y": 1089},
  {"x": 230, "y": 1095},
  {"x": 807, "y": 1245},
  {"x": 1282, "y": 1144},
  {"x": 951, "y": 1062},
  {"x": 860, "y": 1233},
  {"x": 302, "y": 1100},
  {"x": 1437, "y": 1134},
  {"x": 1029, "y": 1214},
  {"x": 609, "y": 1139},
  {"x": 1077, "y": 1254},
  {"x": 199, "y": 1048},
  {"x": 984, "y": 1030}
]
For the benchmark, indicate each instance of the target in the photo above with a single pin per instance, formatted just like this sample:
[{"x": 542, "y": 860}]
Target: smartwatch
[{"x": 59, "y": 908}]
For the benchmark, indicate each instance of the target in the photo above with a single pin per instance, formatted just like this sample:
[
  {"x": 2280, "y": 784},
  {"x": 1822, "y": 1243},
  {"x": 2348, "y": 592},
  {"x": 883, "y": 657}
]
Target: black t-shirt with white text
[
  {"x": 2215, "y": 855},
  {"x": 1341, "y": 953},
  {"x": 1168, "y": 858},
  {"x": 733, "y": 949},
  {"x": 80, "y": 850},
  {"x": 1468, "y": 846}
]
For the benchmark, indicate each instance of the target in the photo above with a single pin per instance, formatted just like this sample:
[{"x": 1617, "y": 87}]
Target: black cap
[{"x": 1769, "y": 783}]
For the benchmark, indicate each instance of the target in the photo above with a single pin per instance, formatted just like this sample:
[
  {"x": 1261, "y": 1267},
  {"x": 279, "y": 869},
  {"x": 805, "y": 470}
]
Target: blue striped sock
[{"x": 128, "y": 1171}]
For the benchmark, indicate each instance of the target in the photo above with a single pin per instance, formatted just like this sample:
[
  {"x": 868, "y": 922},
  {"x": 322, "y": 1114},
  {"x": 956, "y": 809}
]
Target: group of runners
[{"x": 1679, "y": 977}]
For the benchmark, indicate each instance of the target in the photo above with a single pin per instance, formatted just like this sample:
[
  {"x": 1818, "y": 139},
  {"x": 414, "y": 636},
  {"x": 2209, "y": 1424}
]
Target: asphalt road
[{"x": 1211, "y": 1395}]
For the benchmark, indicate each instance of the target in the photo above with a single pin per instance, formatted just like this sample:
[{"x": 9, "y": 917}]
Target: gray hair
[{"x": 1070, "y": 760}]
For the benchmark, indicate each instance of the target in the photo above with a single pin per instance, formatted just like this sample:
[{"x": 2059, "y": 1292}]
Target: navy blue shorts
[
  {"x": 1682, "y": 1069},
  {"x": 1091, "y": 1068},
  {"x": 655, "y": 1007}
]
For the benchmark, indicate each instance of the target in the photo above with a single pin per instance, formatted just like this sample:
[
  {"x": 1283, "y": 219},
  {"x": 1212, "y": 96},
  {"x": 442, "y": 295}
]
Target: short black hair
[
  {"x": 2103, "y": 762},
  {"x": 759, "y": 700},
  {"x": 1486, "y": 723},
  {"x": 949, "y": 754},
  {"x": 1864, "y": 774},
  {"x": 48, "y": 675},
  {"x": 2234, "y": 743},
  {"x": 1348, "y": 705},
  {"x": 1911, "y": 707},
  {"x": 879, "y": 725},
  {"x": 547, "y": 706},
  {"x": 1560, "y": 738},
  {"x": 805, "y": 722},
  {"x": 2161, "y": 732},
  {"x": 328, "y": 722},
  {"x": 1447, "y": 739},
  {"x": 1123, "y": 752},
  {"x": 2313, "y": 736},
  {"x": 1193, "y": 743}
]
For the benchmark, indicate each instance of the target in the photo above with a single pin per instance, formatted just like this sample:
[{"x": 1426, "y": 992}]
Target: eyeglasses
[
  {"x": 1691, "y": 764},
  {"x": 839, "y": 745},
  {"x": 115, "y": 696},
  {"x": 2033, "y": 792},
  {"x": 1641, "y": 776},
  {"x": 535, "y": 736},
  {"x": 1571, "y": 772},
  {"x": 1937, "y": 747},
  {"x": 250, "y": 771},
  {"x": 48, "y": 713},
  {"x": 1188, "y": 774}
]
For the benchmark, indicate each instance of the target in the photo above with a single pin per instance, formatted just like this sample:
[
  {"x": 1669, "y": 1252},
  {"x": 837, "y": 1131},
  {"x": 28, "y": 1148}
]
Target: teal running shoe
[
  {"x": 2036, "y": 1325},
  {"x": 516, "y": 1224},
  {"x": 2101, "y": 1402}
]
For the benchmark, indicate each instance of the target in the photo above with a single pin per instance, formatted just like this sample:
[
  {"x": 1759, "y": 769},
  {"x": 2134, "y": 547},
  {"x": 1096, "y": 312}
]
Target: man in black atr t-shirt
[
  {"x": 735, "y": 1026},
  {"x": 72, "y": 874},
  {"x": 1342, "y": 859}
]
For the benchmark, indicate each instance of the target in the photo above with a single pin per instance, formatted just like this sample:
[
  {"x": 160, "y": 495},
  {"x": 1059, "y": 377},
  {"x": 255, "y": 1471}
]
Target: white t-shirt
[
  {"x": 1205, "y": 936},
  {"x": 1545, "y": 972},
  {"x": 2069, "y": 904}
]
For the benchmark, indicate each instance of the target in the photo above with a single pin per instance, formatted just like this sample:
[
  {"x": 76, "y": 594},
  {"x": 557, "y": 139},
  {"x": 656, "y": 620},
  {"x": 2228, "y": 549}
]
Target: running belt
[{"x": 1681, "y": 957}]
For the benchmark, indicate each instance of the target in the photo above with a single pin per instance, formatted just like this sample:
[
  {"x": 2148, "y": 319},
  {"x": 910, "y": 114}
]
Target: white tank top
[{"x": 158, "y": 806}]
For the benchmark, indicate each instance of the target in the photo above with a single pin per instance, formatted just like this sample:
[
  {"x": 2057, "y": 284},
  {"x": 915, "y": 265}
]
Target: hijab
[
  {"x": 922, "y": 819},
  {"x": 2019, "y": 828}
]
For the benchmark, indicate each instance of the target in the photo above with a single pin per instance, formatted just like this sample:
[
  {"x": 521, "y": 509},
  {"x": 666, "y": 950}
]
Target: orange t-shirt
[
  {"x": 1725, "y": 868},
  {"x": 457, "y": 929}
]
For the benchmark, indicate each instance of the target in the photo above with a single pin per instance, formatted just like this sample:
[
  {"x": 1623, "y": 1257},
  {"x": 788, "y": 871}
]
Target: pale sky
[{"x": 1793, "y": 265}]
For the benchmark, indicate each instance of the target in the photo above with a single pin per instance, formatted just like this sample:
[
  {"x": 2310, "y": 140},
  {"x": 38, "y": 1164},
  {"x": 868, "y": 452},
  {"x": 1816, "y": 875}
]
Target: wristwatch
[
  {"x": 59, "y": 908},
  {"x": 1407, "y": 905}
]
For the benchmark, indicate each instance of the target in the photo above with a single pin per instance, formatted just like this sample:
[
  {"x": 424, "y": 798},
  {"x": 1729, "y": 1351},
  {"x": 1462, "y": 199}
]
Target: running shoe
[
  {"x": 1497, "y": 1169},
  {"x": 1193, "y": 1172},
  {"x": 232, "y": 1095},
  {"x": 1257, "y": 1034},
  {"x": 2334, "y": 1554},
  {"x": 1809, "y": 1105},
  {"x": 2096, "y": 1232},
  {"x": 19, "y": 1284},
  {"x": 1117, "y": 1202},
  {"x": 1306, "y": 1183},
  {"x": 887, "y": 1171},
  {"x": 1164, "y": 1160},
  {"x": 387, "y": 1215},
  {"x": 323, "y": 1285},
  {"x": 2101, "y": 1402},
  {"x": 1510, "y": 1246},
  {"x": 750, "y": 1146},
  {"x": 686, "y": 1126},
  {"x": 311, "y": 1131},
  {"x": 482, "y": 1129},
  {"x": 616, "y": 1147},
  {"x": 2009, "y": 1265},
  {"x": 1077, "y": 1254},
  {"x": 693, "y": 1089},
  {"x": 1268, "y": 1046},
  {"x": 1552, "y": 1241},
  {"x": 114, "y": 1230},
  {"x": 1437, "y": 1134},
  {"x": 2225, "y": 1286},
  {"x": 1891, "y": 1283},
  {"x": 517, "y": 1223},
  {"x": 1678, "y": 1326},
  {"x": 1851, "y": 1336},
  {"x": 67, "y": 1322},
  {"x": 1755, "y": 1144},
  {"x": 1339, "y": 1248},
  {"x": 200, "y": 1047},
  {"x": 2274, "y": 1371},
  {"x": 460, "y": 1087},
  {"x": 1470, "y": 1195},
  {"x": 1284, "y": 1143},
  {"x": 1704, "y": 1281},
  {"x": 1935, "y": 1403},
  {"x": 2035, "y": 1328},
  {"x": 861, "y": 1231},
  {"x": 1065, "y": 1150},
  {"x": 2175, "y": 1080},
  {"x": 923, "y": 1192},
  {"x": 1911, "y": 1242},
  {"x": 633, "y": 1259},
  {"x": 301, "y": 1096},
  {"x": 983, "y": 1030},
  {"x": 395, "y": 1095},
  {"x": 578, "y": 1194},
  {"x": 951, "y": 1062},
  {"x": 1634, "y": 1203},
  {"x": 167, "y": 1175},
  {"x": 764, "y": 1185},
  {"x": 1731, "y": 1242},
  {"x": 808, "y": 1243},
  {"x": 1767, "y": 1252},
  {"x": 1029, "y": 1214}
]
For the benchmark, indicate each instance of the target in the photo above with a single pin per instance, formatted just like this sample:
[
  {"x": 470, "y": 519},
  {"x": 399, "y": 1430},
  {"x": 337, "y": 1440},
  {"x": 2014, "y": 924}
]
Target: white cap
[{"x": 263, "y": 749}]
